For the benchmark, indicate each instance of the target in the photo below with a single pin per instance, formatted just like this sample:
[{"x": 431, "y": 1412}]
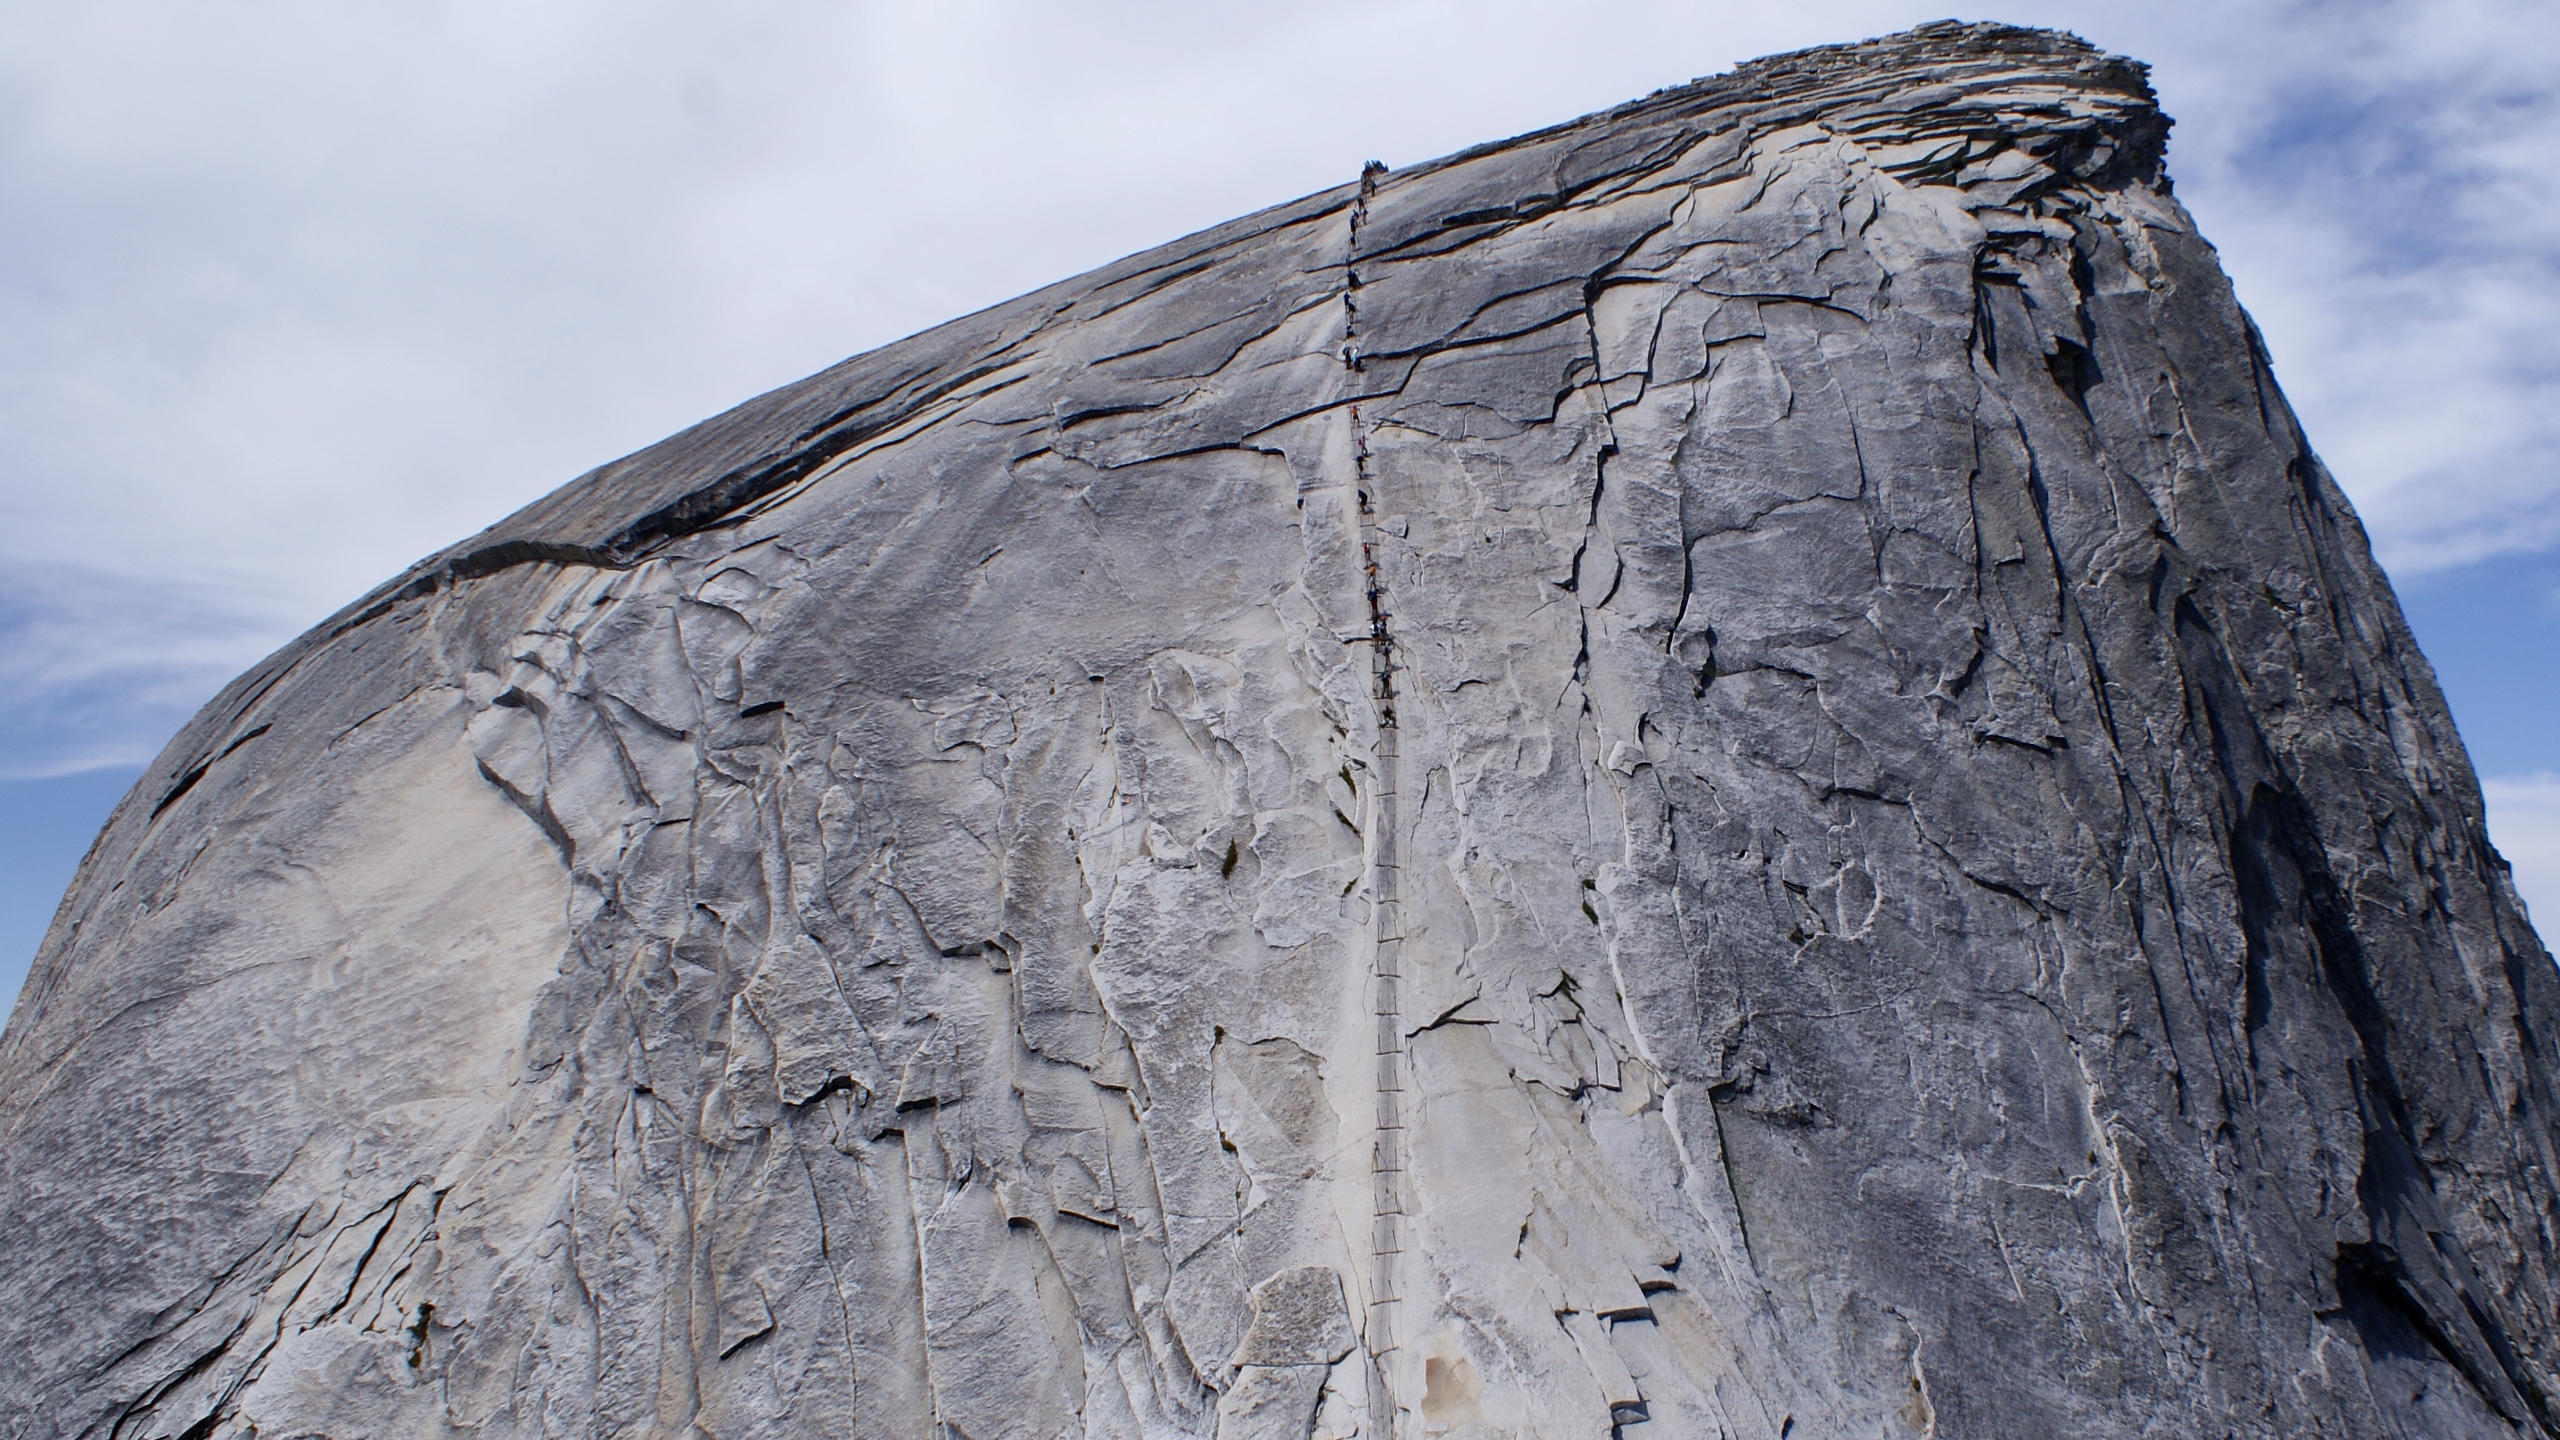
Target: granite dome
[{"x": 1724, "y": 771}]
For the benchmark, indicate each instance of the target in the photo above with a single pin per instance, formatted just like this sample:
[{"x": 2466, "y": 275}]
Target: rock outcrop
[{"x": 1725, "y": 771}]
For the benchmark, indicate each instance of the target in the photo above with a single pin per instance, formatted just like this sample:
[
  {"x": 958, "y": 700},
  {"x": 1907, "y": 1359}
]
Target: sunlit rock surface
[{"x": 1724, "y": 771}]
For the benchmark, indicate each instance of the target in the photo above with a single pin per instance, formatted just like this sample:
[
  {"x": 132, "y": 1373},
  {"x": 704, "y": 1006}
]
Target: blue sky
[{"x": 293, "y": 293}]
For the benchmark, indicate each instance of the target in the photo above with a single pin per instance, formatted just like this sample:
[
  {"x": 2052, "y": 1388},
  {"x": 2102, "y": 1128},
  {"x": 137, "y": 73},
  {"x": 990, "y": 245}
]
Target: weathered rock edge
[{"x": 1722, "y": 771}]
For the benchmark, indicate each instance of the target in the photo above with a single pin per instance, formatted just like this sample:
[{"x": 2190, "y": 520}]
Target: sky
[{"x": 292, "y": 294}]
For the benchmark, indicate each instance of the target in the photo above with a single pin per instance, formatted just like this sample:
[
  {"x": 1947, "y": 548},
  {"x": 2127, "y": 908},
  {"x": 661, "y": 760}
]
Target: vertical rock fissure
[{"x": 1388, "y": 1191}]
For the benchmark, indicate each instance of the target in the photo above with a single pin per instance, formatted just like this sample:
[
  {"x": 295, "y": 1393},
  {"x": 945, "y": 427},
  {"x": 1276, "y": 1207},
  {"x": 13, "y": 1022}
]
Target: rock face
[{"x": 1725, "y": 771}]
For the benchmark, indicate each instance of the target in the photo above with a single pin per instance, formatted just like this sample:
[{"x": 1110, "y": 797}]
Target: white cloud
[
  {"x": 292, "y": 293},
  {"x": 2524, "y": 823},
  {"x": 2380, "y": 195}
]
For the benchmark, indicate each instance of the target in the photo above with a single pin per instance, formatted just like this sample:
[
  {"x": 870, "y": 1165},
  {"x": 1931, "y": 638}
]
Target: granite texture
[{"x": 1722, "y": 772}]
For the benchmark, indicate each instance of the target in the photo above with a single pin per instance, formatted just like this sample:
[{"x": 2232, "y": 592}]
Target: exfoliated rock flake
[{"x": 1725, "y": 771}]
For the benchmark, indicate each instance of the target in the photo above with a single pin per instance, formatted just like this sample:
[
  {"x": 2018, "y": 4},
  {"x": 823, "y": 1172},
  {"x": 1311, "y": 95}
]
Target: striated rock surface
[{"x": 1725, "y": 771}]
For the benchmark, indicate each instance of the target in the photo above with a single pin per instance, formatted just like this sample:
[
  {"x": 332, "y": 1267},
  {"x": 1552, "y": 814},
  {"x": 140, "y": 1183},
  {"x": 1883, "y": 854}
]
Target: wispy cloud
[
  {"x": 2524, "y": 821},
  {"x": 292, "y": 293},
  {"x": 2376, "y": 175},
  {"x": 101, "y": 670}
]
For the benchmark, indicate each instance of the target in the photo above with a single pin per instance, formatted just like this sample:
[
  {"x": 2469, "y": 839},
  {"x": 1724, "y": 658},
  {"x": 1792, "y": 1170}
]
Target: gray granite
[{"x": 1725, "y": 771}]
